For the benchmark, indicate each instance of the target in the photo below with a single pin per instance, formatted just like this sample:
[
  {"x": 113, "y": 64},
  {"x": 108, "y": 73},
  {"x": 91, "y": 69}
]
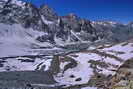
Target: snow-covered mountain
[
  {"x": 42, "y": 27},
  {"x": 56, "y": 28},
  {"x": 78, "y": 53}
]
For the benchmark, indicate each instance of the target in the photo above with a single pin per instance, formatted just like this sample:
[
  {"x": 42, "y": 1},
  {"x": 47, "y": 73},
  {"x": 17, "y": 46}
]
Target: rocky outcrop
[
  {"x": 123, "y": 79},
  {"x": 55, "y": 65}
]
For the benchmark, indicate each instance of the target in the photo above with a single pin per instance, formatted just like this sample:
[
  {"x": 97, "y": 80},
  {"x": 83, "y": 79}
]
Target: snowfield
[
  {"x": 122, "y": 50},
  {"x": 17, "y": 41},
  {"x": 88, "y": 63},
  {"x": 25, "y": 64}
]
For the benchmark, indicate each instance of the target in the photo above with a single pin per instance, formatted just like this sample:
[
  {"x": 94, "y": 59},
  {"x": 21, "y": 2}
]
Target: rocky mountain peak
[
  {"x": 49, "y": 13},
  {"x": 72, "y": 16}
]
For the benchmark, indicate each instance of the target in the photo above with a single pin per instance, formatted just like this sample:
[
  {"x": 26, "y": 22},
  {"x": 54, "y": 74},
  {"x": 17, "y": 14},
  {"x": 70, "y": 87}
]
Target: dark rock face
[
  {"x": 48, "y": 13},
  {"x": 55, "y": 68},
  {"x": 123, "y": 76},
  {"x": 113, "y": 32}
]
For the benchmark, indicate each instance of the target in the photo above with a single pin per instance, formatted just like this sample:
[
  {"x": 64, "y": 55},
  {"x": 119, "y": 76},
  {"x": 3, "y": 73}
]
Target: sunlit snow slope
[
  {"x": 17, "y": 41},
  {"x": 102, "y": 61}
]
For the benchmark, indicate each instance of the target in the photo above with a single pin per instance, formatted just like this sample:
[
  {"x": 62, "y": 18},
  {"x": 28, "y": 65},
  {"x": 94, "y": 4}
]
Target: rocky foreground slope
[{"x": 39, "y": 49}]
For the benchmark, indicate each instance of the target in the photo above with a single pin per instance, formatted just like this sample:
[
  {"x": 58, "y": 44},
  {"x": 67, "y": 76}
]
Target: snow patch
[
  {"x": 16, "y": 64},
  {"x": 126, "y": 49},
  {"x": 46, "y": 21}
]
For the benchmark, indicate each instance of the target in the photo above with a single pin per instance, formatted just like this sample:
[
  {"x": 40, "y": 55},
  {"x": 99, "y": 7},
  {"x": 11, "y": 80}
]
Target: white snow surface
[
  {"x": 119, "y": 48},
  {"x": 46, "y": 21},
  {"x": 84, "y": 71},
  {"x": 17, "y": 41},
  {"x": 17, "y": 2},
  {"x": 13, "y": 64}
]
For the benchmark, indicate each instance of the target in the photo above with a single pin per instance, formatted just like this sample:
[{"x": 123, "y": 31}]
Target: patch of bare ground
[
  {"x": 105, "y": 46},
  {"x": 96, "y": 81},
  {"x": 123, "y": 77},
  {"x": 131, "y": 52},
  {"x": 132, "y": 45},
  {"x": 125, "y": 43},
  {"x": 98, "y": 63}
]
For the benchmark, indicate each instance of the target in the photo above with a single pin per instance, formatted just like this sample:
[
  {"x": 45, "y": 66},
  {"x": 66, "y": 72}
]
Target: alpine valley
[{"x": 41, "y": 50}]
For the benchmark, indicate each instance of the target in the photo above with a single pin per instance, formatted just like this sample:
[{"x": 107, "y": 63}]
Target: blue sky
[{"x": 115, "y": 10}]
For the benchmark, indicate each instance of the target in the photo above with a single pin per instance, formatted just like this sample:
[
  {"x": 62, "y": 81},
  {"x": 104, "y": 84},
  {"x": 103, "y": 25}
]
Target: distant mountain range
[{"x": 61, "y": 29}]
